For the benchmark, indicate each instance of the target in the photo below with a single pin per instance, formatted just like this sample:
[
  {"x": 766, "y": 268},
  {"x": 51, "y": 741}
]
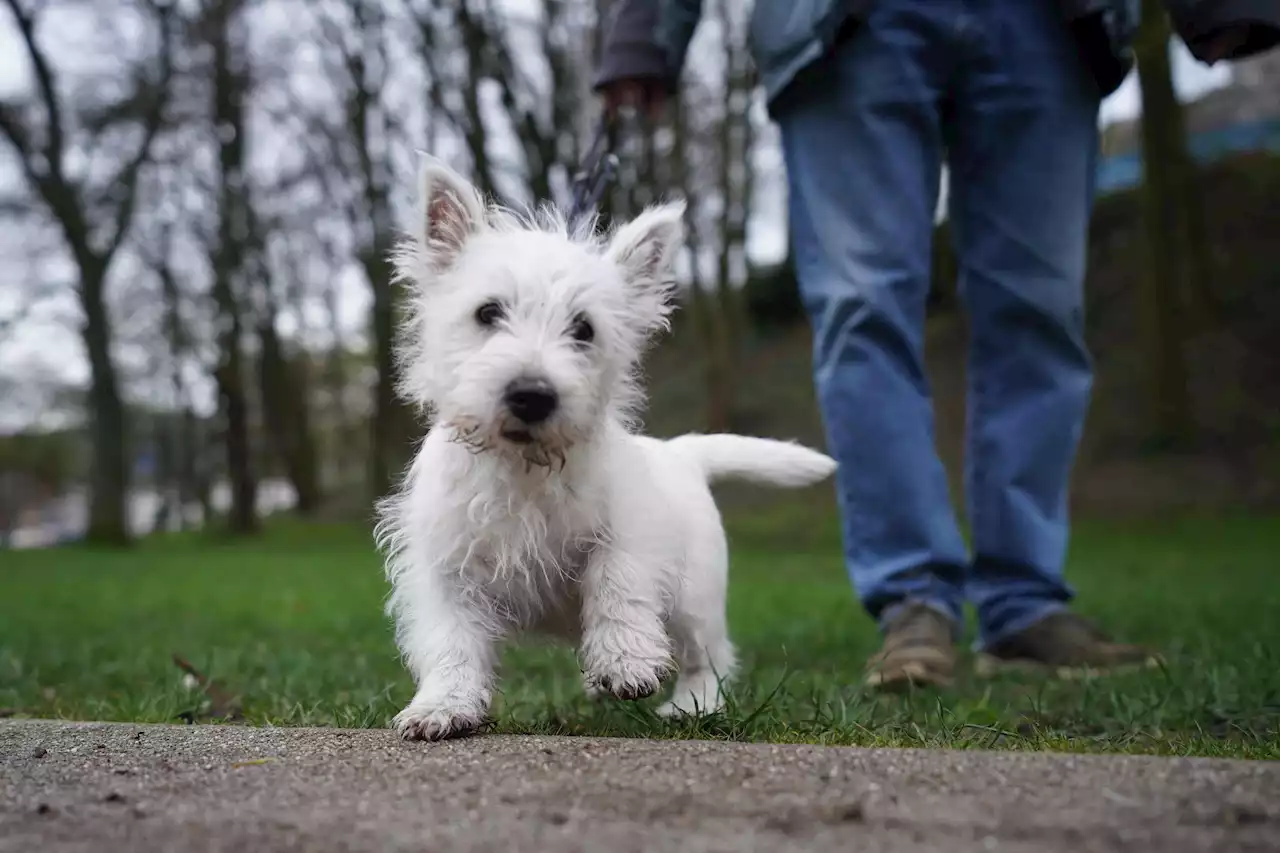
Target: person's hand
[
  {"x": 1224, "y": 43},
  {"x": 642, "y": 96}
]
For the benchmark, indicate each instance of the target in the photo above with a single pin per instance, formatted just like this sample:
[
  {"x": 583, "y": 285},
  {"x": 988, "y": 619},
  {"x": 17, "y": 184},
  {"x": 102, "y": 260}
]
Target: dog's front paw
[
  {"x": 422, "y": 722},
  {"x": 628, "y": 680}
]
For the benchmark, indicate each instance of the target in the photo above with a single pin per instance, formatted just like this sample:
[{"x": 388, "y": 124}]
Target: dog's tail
[{"x": 756, "y": 460}]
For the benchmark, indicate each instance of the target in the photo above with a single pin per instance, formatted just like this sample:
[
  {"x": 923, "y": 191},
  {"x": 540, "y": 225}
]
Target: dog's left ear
[
  {"x": 450, "y": 211},
  {"x": 645, "y": 250}
]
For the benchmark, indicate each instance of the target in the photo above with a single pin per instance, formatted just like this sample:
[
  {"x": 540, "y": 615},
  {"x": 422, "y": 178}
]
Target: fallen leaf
[
  {"x": 252, "y": 762},
  {"x": 223, "y": 705}
]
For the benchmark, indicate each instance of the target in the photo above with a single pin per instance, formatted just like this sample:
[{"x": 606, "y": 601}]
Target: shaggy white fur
[{"x": 532, "y": 504}]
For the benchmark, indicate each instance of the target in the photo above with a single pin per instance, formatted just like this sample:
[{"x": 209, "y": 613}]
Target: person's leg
[
  {"x": 1023, "y": 151},
  {"x": 862, "y": 144}
]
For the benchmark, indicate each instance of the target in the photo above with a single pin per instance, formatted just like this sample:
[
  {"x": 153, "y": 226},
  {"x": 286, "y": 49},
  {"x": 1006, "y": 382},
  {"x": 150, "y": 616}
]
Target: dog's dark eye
[
  {"x": 489, "y": 313},
  {"x": 583, "y": 332}
]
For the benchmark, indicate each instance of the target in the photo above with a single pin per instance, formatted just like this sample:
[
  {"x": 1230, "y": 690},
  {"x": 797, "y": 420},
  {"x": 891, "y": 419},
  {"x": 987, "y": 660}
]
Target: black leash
[{"x": 596, "y": 172}]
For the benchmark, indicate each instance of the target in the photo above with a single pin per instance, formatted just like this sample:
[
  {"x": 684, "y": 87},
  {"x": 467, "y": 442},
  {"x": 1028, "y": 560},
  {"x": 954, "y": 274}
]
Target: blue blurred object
[
  {"x": 144, "y": 464},
  {"x": 1123, "y": 171}
]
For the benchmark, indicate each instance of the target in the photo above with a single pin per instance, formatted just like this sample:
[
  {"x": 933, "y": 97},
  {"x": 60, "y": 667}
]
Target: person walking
[{"x": 871, "y": 97}]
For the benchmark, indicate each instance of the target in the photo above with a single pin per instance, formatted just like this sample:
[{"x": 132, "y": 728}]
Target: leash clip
[{"x": 598, "y": 170}]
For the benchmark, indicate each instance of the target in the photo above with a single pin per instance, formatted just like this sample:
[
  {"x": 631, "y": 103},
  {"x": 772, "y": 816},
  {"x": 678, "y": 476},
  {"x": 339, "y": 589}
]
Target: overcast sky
[{"x": 51, "y": 347}]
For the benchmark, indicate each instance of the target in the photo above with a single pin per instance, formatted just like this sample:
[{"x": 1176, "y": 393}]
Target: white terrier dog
[{"x": 532, "y": 504}]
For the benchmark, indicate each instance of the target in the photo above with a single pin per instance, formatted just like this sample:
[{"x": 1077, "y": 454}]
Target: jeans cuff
[
  {"x": 1025, "y": 620},
  {"x": 890, "y": 612}
]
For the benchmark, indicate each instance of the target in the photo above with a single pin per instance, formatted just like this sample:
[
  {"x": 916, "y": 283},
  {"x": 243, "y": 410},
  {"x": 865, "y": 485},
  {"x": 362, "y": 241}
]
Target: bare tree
[
  {"x": 220, "y": 26},
  {"x": 1164, "y": 204},
  {"x": 182, "y": 440},
  {"x": 213, "y": 116},
  {"x": 44, "y": 130},
  {"x": 285, "y": 382},
  {"x": 734, "y": 188},
  {"x": 714, "y": 142},
  {"x": 359, "y": 64}
]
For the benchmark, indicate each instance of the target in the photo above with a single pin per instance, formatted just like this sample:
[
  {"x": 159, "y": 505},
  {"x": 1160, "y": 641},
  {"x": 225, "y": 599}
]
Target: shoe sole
[
  {"x": 906, "y": 677},
  {"x": 988, "y": 666}
]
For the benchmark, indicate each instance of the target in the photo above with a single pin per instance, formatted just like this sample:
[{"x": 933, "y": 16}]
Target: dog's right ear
[{"x": 451, "y": 210}]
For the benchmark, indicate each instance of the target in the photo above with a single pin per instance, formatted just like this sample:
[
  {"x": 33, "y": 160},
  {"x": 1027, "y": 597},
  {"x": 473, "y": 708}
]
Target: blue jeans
[{"x": 998, "y": 89}]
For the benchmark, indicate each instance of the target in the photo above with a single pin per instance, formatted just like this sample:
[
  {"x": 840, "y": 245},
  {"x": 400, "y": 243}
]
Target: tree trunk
[
  {"x": 203, "y": 467},
  {"x": 1201, "y": 299},
  {"x": 184, "y": 428},
  {"x": 165, "y": 480},
  {"x": 109, "y": 478},
  {"x": 735, "y": 185},
  {"x": 184, "y": 441},
  {"x": 285, "y": 406},
  {"x": 706, "y": 319},
  {"x": 230, "y": 86},
  {"x": 305, "y": 464},
  {"x": 1167, "y": 127},
  {"x": 239, "y": 453},
  {"x": 339, "y": 437},
  {"x": 394, "y": 427},
  {"x": 40, "y": 151},
  {"x": 1163, "y": 199},
  {"x": 475, "y": 134}
]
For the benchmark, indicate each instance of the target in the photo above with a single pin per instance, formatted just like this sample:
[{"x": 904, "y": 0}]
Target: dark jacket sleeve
[
  {"x": 1199, "y": 22},
  {"x": 647, "y": 40},
  {"x": 632, "y": 49}
]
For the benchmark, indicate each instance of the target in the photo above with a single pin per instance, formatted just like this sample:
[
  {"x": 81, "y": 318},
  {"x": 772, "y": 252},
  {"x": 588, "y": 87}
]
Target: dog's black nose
[{"x": 531, "y": 400}]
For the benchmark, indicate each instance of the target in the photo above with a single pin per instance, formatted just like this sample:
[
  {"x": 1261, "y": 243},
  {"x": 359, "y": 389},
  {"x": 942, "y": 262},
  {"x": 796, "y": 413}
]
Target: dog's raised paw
[
  {"x": 631, "y": 691},
  {"x": 432, "y": 724},
  {"x": 628, "y": 683}
]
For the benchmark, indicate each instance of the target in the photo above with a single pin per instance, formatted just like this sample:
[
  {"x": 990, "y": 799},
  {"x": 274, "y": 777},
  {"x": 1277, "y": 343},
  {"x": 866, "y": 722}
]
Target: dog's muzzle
[{"x": 531, "y": 401}]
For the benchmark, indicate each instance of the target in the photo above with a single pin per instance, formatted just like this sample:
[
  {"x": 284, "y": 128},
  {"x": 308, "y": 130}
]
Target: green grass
[{"x": 293, "y": 623}]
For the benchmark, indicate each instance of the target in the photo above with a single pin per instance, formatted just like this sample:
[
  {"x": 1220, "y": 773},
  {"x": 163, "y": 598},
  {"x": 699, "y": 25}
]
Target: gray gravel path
[{"x": 114, "y": 787}]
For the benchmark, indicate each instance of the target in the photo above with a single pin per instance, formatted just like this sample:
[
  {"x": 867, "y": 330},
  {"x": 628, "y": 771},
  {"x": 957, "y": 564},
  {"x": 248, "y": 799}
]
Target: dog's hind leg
[{"x": 705, "y": 658}]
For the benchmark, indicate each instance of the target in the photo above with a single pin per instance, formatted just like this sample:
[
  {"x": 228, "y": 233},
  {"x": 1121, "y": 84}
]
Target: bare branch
[
  {"x": 153, "y": 97},
  {"x": 45, "y": 82},
  {"x": 13, "y": 130}
]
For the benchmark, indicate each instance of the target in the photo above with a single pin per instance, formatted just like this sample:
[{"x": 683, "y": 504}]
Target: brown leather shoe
[
  {"x": 1065, "y": 645},
  {"x": 918, "y": 650}
]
